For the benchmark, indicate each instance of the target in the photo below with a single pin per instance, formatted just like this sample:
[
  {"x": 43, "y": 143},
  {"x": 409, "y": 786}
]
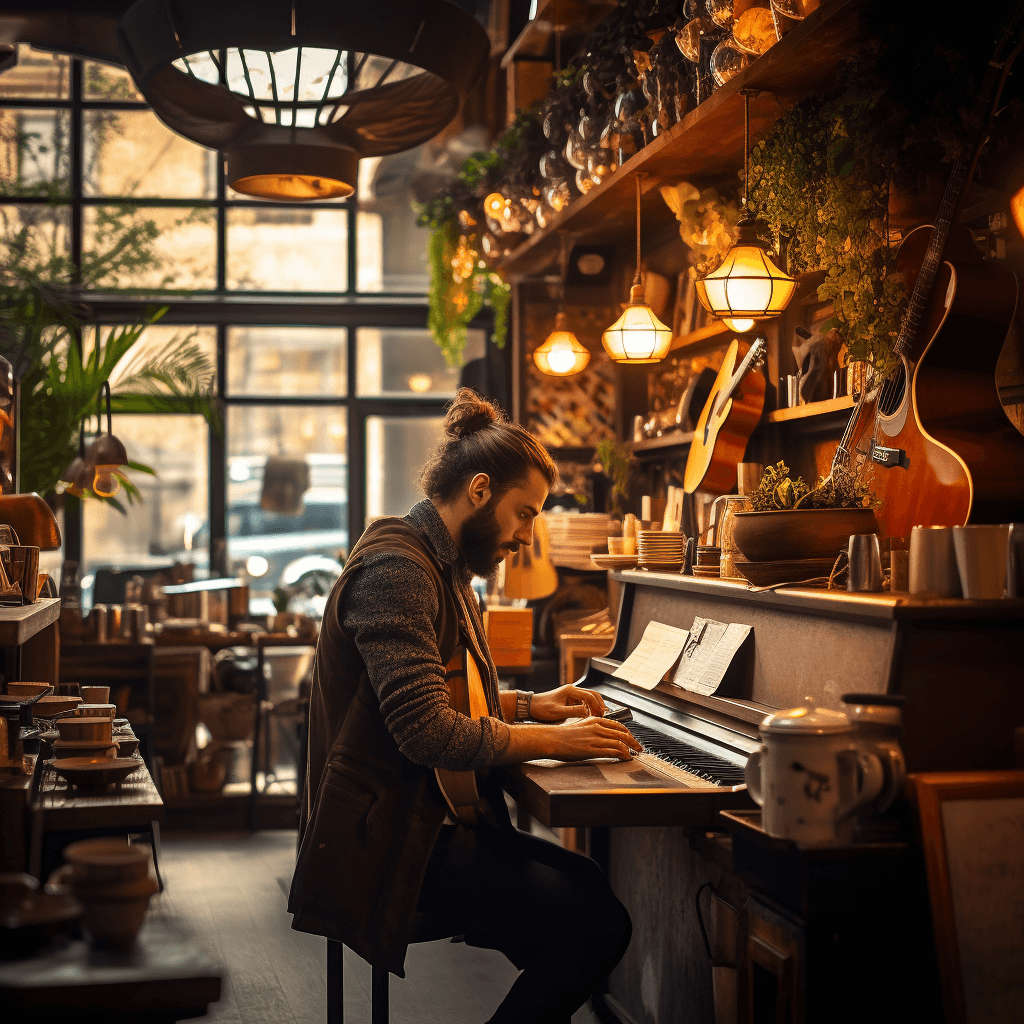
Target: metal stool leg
[
  {"x": 335, "y": 982},
  {"x": 379, "y": 981}
]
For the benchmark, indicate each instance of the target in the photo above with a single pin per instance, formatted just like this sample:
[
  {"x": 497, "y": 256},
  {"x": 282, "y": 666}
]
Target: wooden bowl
[
  {"x": 105, "y": 749},
  {"x": 799, "y": 533},
  {"x": 47, "y": 707},
  {"x": 95, "y": 772},
  {"x": 28, "y": 689},
  {"x": 99, "y": 730},
  {"x": 108, "y": 860}
]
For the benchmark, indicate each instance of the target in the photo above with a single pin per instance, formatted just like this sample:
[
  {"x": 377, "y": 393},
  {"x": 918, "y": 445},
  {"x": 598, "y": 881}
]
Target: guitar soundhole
[{"x": 893, "y": 391}]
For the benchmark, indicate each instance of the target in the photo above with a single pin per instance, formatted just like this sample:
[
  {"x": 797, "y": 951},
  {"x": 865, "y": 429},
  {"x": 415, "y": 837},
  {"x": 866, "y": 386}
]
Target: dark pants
[{"x": 550, "y": 911}]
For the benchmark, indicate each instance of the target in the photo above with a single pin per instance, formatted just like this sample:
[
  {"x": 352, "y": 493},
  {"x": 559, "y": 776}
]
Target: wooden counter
[{"x": 19, "y": 623}]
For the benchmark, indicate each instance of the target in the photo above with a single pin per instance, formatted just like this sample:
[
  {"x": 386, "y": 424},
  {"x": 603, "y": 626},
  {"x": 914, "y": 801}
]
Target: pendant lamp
[
  {"x": 77, "y": 478},
  {"x": 106, "y": 457},
  {"x": 638, "y": 336},
  {"x": 747, "y": 284},
  {"x": 560, "y": 354},
  {"x": 294, "y": 92},
  {"x": 86, "y": 28}
]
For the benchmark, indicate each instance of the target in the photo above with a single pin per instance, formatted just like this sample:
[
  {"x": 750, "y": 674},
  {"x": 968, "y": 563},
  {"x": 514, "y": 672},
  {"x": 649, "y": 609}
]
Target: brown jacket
[{"x": 370, "y": 816}]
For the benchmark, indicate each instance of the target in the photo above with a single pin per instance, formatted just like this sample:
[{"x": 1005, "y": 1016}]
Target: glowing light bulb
[
  {"x": 738, "y": 325},
  {"x": 494, "y": 205},
  {"x": 106, "y": 483},
  {"x": 561, "y": 353},
  {"x": 561, "y": 359}
]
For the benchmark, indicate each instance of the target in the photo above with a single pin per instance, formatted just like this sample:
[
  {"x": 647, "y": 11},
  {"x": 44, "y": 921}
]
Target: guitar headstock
[{"x": 757, "y": 354}]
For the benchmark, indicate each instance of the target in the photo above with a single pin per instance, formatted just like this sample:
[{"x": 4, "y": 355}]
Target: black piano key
[{"x": 689, "y": 758}]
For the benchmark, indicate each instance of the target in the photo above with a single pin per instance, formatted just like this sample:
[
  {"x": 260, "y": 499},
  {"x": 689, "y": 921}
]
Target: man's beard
[{"x": 480, "y": 542}]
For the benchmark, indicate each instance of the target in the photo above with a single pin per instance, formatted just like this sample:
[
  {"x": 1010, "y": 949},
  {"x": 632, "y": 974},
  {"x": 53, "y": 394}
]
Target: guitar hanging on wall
[
  {"x": 932, "y": 441},
  {"x": 728, "y": 419}
]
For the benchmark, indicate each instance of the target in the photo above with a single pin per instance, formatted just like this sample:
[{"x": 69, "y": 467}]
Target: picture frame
[{"x": 971, "y": 826}]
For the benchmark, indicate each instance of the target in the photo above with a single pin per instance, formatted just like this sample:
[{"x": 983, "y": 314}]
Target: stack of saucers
[{"x": 660, "y": 551}]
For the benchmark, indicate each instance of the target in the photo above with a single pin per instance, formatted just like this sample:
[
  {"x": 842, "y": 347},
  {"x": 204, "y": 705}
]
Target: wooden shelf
[
  {"x": 661, "y": 446},
  {"x": 678, "y": 443},
  {"x": 19, "y": 623},
  {"x": 801, "y": 412},
  {"x": 575, "y": 19},
  {"x": 707, "y": 142},
  {"x": 699, "y": 336}
]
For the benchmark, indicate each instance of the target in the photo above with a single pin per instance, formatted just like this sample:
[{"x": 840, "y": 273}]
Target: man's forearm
[{"x": 527, "y": 742}]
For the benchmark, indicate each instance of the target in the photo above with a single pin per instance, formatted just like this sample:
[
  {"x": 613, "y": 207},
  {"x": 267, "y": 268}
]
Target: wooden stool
[{"x": 424, "y": 929}]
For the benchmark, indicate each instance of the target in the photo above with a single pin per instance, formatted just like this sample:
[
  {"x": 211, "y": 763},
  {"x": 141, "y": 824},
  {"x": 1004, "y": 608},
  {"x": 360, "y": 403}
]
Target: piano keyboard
[{"x": 695, "y": 767}]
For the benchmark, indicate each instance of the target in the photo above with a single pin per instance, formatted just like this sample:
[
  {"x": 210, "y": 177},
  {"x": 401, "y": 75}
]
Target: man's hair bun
[
  {"x": 480, "y": 438},
  {"x": 468, "y": 414}
]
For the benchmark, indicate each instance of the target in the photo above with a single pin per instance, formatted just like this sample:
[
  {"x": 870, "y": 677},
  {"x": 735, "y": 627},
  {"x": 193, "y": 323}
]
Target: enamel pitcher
[{"x": 811, "y": 776}]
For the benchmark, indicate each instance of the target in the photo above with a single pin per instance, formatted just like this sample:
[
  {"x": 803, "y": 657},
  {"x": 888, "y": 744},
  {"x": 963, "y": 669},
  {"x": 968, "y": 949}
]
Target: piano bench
[{"x": 424, "y": 929}]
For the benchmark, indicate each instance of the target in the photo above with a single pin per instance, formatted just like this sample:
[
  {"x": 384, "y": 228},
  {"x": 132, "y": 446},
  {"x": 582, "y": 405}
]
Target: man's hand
[
  {"x": 566, "y": 702},
  {"x": 577, "y": 740}
]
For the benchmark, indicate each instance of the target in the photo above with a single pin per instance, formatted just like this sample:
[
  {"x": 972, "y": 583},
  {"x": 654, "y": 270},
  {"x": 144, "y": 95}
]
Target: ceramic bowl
[
  {"x": 126, "y": 745},
  {"x": 110, "y": 860},
  {"x": 96, "y": 694},
  {"x": 99, "y": 730},
  {"x": 84, "y": 748},
  {"x": 47, "y": 707},
  {"x": 28, "y": 689},
  {"x": 799, "y": 533},
  {"x": 29, "y": 916}
]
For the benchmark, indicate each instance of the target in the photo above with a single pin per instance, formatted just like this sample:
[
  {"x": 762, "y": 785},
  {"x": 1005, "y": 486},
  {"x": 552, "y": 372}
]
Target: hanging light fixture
[
  {"x": 747, "y": 284},
  {"x": 638, "y": 336},
  {"x": 79, "y": 28},
  {"x": 293, "y": 92},
  {"x": 560, "y": 354},
  {"x": 105, "y": 457},
  {"x": 77, "y": 478}
]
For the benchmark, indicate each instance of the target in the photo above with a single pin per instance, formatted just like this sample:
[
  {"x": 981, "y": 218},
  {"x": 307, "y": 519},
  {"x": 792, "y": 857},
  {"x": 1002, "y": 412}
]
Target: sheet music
[
  {"x": 708, "y": 654},
  {"x": 657, "y": 652}
]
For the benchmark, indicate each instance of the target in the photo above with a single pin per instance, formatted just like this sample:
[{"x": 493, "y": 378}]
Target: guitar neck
[{"x": 741, "y": 371}]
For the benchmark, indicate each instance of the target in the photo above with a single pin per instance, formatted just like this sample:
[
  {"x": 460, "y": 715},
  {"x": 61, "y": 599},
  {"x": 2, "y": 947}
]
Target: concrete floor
[{"x": 231, "y": 889}]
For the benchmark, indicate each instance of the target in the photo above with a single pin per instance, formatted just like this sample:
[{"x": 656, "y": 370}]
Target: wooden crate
[{"x": 509, "y": 635}]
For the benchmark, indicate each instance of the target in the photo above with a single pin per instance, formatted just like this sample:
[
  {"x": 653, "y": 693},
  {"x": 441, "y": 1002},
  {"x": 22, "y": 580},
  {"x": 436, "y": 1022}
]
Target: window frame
[{"x": 221, "y": 309}]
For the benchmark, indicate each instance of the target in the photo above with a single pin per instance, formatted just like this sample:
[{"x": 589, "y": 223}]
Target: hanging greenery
[
  {"x": 822, "y": 176},
  {"x": 464, "y": 243}
]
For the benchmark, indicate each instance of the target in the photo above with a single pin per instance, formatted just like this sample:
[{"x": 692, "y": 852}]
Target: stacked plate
[
  {"x": 573, "y": 536},
  {"x": 813, "y": 571},
  {"x": 660, "y": 551}
]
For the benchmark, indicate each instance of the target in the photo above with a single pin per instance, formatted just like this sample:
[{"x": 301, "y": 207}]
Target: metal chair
[{"x": 424, "y": 929}]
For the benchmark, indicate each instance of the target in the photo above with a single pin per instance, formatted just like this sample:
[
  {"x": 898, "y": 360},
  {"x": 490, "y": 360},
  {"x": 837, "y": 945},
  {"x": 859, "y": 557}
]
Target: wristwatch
[{"x": 523, "y": 700}]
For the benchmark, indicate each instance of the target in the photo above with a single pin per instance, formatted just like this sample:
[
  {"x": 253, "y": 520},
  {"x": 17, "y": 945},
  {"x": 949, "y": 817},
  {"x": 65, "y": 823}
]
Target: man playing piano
[{"x": 376, "y": 845}]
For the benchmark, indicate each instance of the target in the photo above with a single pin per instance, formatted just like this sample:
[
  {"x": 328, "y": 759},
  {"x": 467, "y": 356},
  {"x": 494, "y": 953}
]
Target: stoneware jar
[{"x": 811, "y": 775}]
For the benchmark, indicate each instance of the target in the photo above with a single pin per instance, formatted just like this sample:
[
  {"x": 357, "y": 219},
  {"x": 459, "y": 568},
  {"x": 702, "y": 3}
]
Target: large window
[{"x": 329, "y": 390}]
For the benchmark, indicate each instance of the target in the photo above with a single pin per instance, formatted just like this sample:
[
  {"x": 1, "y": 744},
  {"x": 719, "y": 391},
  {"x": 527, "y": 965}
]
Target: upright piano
[{"x": 957, "y": 663}]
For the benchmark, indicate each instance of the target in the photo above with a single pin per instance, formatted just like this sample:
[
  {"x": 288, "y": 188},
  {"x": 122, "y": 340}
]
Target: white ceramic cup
[
  {"x": 933, "y": 564},
  {"x": 981, "y": 555}
]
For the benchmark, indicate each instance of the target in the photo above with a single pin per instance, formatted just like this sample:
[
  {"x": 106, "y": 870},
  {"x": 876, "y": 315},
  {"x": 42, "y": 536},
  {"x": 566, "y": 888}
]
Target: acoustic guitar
[
  {"x": 529, "y": 572},
  {"x": 932, "y": 440},
  {"x": 728, "y": 419},
  {"x": 465, "y": 695}
]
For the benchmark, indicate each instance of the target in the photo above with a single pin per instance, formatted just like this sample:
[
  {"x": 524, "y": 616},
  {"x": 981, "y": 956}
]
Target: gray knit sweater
[{"x": 389, "y": 612}]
